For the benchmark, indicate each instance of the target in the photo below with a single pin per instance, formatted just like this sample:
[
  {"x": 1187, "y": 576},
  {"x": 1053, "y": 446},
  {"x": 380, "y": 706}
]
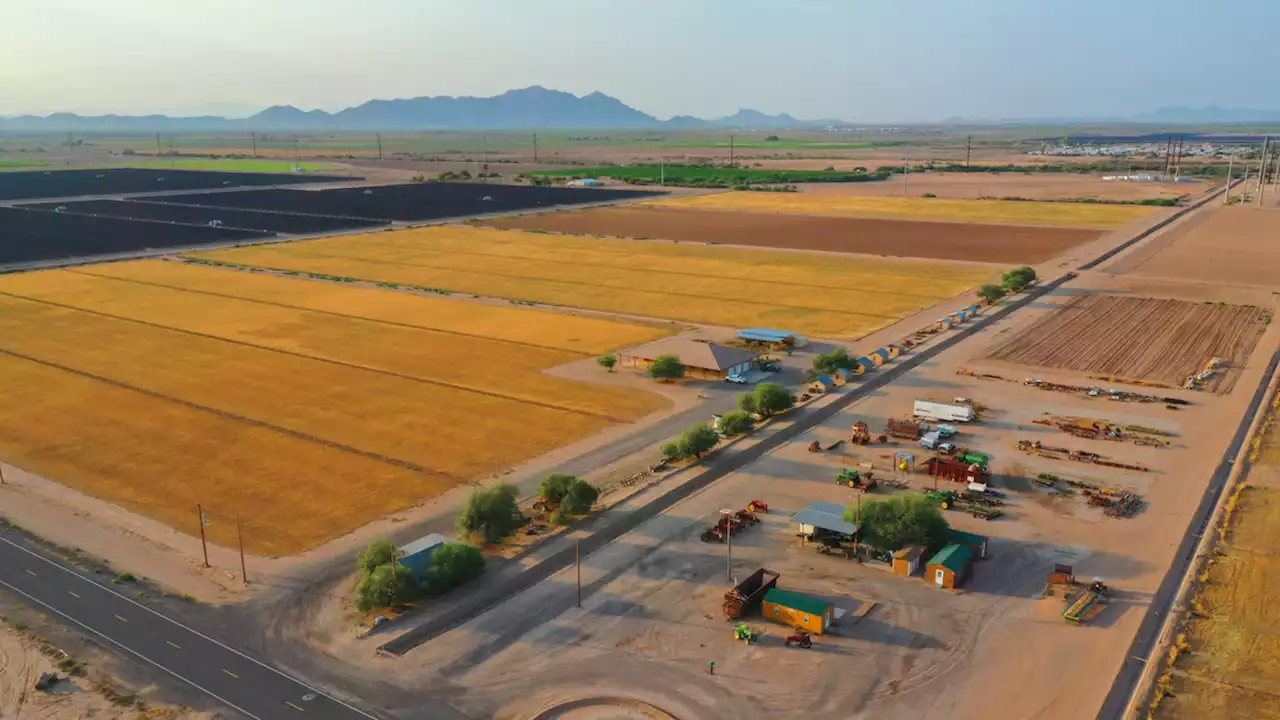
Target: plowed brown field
[
  {"x": 874, "y": 236},
  {"x": 1235, "y": 245},
  {"x": 1140, "y": 338}
]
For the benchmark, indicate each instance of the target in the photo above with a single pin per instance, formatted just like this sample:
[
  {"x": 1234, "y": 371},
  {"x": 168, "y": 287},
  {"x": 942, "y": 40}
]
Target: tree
[
  {"x": 581, "y": 496},
  {"x": 772, "y": 398},
  {"x": 491, "y": 513},
  {"x": 555, "y": 486},
  {"x": 386, "y": 586},
  {"x": 379, "y": 553},
  {"x": 899, "y": 521},
  {"x": 697, "y": 440},
  {"x": 990, "y": 292},
  {"x": 1017, "y": 279},
  {"x": 666, "y": 367},
  {"x": 747, "y": 403},
  {"x": 607, "y": 362},
  {"x": 735, "y": 423},
  {"x": 452, "y": 565},
  {"x": 671, "y": 452},
  {"x": 828, "y": 363}
]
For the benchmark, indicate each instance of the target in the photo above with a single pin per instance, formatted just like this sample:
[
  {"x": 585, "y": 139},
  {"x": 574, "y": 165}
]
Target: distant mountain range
[{"x": 532, "y": 108}]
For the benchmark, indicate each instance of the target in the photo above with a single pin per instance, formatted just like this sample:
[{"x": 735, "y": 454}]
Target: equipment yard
[
  {"x": 1154, "y": 340},
  {"x": 971, "y": 242},
  {"x": 824, "y": 296},
  {"x": 1079, "y": 215}
]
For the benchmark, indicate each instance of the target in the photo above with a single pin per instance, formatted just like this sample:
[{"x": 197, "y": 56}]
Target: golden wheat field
[
  {"x": 313, "y": 407},
  {"x": 979, "y": 211},
  {"x": 816, "y": 294},
  {"x": 1233, "y": 667}
]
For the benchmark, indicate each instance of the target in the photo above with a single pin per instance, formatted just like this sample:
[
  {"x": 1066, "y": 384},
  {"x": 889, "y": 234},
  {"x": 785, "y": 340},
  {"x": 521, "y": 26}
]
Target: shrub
[
  {"x": 124, "y": 577},
  {"x": 453, "y": 565},
  {"x": 697, "y": 440},
  {"x": 491, "y": 513},
  {"x": 581, "y": 496},
  {"x": 672, "y": 452},
  {"x": 387, "y": 585},
  {"x": 666, "y": 367},
  {"x": 735, "y": 423},
  {"x": 990, "y": 292},
  {"x": 555, "y": 486}
]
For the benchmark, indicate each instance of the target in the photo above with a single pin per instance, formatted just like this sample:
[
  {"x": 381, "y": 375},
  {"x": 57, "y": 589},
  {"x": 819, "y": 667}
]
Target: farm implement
[
  {"x": 1092, "y": 429},
  {"x": 1085, "y": 606},
  {"x": 976, "y": 504},
  {"x": 746, "y": 595},
  {"x": 1035, "y": 447},
  {"x": 1085, "y": 390},
  {"x": 1115, "y": 503},
  {"x": 731, "y": 524}
]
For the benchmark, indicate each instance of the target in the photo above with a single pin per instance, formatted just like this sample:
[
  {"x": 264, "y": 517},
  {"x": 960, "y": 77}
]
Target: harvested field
[
  {"x": 980, "y": 211},
  {"x": 1033, "y": 186},
  {"x": 1140, "y": 338},
  {"x": 1233, "y": 668},
  {"x": 813, "y": 294},
  {"x": 1233, "y": 245},
  {"x": 307, "y": 423},
  {"x": 939, "y": 240}
]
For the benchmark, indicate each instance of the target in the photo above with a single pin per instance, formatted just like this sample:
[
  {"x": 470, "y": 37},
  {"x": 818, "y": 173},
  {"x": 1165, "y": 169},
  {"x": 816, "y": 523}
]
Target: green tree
[
  {"x": 747, "y": 403},
  {"x": 581, "y": 497},
  {"x": 607, "y": 362},
  {"x": 452, "y": 565},
  {"x": 672, "y": 452},
  {"x": 491, "y": 513},
  {"x": 1017, "y": 279},
  {"x": 990, "y": 292},
  {"x": 555, "y": 486},
  {"x": 899, "y": 521},
  {"x": 379, "y": 553},
  {"x": 828, "y": 363},
  {"x": 666, "y": 367},
  {"x": 386, "y": 586},
  {"x": 697, "y": 440},
  {"x": 735, "y": 423},
  {"x": 772, "y": 398}
]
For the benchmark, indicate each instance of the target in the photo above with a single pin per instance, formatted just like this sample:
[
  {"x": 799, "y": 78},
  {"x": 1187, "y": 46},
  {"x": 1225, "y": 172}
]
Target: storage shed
[
  {"x": 879, "y": 356},
  {"x": 863, "y": 364},
  {"x": 843, "y": 375},
  {"x": 823, "y": 516},
  {"x": 799, "y": 611},
  {"x": 820, "y": 385},
  {"x": 907, "y": 560},
  {"x": 416, "y": 556},
  {"x": 975, "y": 542},
  {"x": 950, "y": 567}
]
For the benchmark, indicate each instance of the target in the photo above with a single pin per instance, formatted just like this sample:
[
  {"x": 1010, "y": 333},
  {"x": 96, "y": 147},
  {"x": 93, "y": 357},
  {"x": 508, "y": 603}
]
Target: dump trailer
[
  {"x": 746, "y": 596},
  {"x": 947, "y": 412},
  {"x": 904, "y": 429}
]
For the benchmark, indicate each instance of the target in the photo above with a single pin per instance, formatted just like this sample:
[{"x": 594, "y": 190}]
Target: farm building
[
  {"x": 821, "y": 384},
  {"x": 799, "y": 611},
  {"x": 773, "y": 338},
  {"x": 975, "y": 542},
  {"x": 416, "y": 556},
  {"x": 843, "y": 376},
  {"x": 950, "y": 567},
  {"x": 823, "y": 516},
  {"x": 862, "y": 365},
  {"x": 702, "y": 360},
  {"x": 907, "y": 560}
]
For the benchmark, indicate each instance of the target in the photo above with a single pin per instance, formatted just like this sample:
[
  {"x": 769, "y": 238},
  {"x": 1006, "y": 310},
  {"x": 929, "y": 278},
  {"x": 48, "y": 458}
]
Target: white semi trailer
[{"x": 942, "y": 412}]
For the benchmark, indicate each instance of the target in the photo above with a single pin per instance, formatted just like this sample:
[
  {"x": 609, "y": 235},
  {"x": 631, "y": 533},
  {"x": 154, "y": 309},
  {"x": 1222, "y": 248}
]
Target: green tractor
[
  {"x": 946, "y": 499},
  {"x": 855, "y": 479},
  {"x": 743, "y": 632}
]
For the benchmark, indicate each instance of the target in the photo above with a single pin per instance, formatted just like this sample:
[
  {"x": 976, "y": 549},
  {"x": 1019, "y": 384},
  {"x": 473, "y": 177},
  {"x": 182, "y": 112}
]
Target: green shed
[
  {"x": 950, "y": 566},
  {"x": 800, "y": 611},
  {"x": 975, "y": 542}
]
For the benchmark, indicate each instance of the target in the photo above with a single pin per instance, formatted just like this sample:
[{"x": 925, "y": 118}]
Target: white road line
[
  {"x": 295, "y": 707},
  {"x": 173, "y": 644},
  {"x": 121, "y": 619},
  {"x": 30, "y": 573},
  {"x": 72, "y": 594},
  {"x": 231, "y": 673},
  {"x": 131, "y": 651},
  {"x": 191, "y": 630}
]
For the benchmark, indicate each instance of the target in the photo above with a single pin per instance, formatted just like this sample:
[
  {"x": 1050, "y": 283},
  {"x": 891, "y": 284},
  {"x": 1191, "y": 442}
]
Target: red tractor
[
  {"x": 801, "y": 640},
  {"x": 758, "y": 506}
]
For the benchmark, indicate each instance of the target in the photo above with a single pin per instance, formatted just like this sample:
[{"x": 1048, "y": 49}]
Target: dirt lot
[
  {"x": 650, "y": 617},
  {"x": 1229, "y": 244},
  {"x": 941, "y": 240},
  {"x": 1045, "y": 186},
  {"x": 1162, "y": 341}
]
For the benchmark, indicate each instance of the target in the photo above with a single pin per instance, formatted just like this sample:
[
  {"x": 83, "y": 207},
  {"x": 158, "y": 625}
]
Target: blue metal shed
[{"x": 416, "y": 556}]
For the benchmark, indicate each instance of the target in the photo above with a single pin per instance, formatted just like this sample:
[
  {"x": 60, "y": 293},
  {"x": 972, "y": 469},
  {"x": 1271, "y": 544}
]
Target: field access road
[{"x": 243, "y": 684}]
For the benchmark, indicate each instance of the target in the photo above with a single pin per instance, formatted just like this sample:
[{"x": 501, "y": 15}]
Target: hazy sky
[{"x": 909, "y": 60}]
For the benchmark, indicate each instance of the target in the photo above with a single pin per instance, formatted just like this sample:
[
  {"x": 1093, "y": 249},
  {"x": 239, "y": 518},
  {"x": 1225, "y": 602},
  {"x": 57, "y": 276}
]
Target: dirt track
[
  {"x": 1140, "y": 338},
  {"x": 943, "y": 240}
]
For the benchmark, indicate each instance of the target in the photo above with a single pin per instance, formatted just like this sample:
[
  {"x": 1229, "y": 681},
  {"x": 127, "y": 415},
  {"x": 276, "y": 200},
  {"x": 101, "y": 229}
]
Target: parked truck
[
  {"x": 933, "y": 441},
  {"x": 903, "y": 429},
  {"x": 746, "y": 595},
  {"x": 945, "y": 412}
]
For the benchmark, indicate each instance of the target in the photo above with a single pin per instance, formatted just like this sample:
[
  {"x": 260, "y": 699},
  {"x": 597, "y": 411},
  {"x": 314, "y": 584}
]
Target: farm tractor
[
  {"x": 801, "y": 640},
  {"x": 743, "y": 632},
  {"x": 855, "y": 479}
]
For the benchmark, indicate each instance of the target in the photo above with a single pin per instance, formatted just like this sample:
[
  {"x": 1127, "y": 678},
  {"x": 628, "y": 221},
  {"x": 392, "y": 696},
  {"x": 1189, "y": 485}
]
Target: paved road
[
  {"x": 1113, "y": 708},
  {"x": 234, "y": 679}
]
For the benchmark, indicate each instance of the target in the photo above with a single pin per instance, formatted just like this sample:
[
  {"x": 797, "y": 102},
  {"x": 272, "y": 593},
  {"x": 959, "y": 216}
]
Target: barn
[{"x": 702, "y": 359}]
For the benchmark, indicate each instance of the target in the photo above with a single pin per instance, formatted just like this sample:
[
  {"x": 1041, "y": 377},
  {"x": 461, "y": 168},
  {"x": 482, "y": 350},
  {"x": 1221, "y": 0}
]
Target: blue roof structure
[
  {"x": 865, "y": 362},
  {"x": 825, "y": 515},
  {"x": 766, "y": 335}
]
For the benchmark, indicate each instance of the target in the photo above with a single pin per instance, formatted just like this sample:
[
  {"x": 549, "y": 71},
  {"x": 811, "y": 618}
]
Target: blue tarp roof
[
  {"x": 825, "y": 515},
  {"x": 766, "y": 334},
  {"x": 882, "y": 352},
  {"x": 866, "y": 362}
]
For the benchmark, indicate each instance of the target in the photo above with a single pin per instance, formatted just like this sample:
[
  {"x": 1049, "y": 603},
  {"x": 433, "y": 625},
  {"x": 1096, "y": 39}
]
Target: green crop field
[{"x": 5, "y": 164}]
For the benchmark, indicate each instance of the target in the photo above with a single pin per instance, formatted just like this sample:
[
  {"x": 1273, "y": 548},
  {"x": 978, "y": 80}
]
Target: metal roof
[
  {"x": 694, "y": 353},
  {"x": 952, "y": 557},
  {"x": 825, "y": 515},
  {"x": 423, "y": 543},
  {"x": 796, "y": 601},
  {"x": 766, "y": 334}
]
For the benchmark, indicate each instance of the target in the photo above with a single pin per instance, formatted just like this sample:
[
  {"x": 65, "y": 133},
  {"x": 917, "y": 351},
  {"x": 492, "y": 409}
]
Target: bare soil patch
[
  {"x": 1147, "y": 339},
  {"x": 1235, "y": 245},
  {"x": 942, "y": 240},
  {"x": 1033, "y": 186}
]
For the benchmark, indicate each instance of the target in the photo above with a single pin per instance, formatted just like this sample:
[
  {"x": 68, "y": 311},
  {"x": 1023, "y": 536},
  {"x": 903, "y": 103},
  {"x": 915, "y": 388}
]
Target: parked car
[
  {"x": 737, "y": 378},
  {"x": 771, "y": 366}
]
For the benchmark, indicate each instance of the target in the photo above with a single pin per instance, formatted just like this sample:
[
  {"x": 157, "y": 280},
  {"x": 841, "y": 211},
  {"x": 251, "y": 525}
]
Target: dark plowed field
[
  {"x": 31, "y": 235},
  {"x": 192, "y": 215},
  {"x": 412, "y": 202},
  {"x": 118, "y": 181},
  {"x": 942, "y": 240}
]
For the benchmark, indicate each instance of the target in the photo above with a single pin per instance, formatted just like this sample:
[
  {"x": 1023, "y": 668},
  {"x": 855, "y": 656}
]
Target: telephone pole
[
  {"x": 968, "y": 149},
  {"x": 577, "y": 563},
  {"x": 1230, "y": 162},
  {"x": 730, "y": 150},
  {"x": 253, "y": 137},
  {"x": 244, "y": 574},
  {"x": 1262, "y": 169},
  {"x": 157, "y": 144},
  {"x": 204, "y": 546},
  {"x": 379, "y": 136},
  {"x": 535, "y": 147}
]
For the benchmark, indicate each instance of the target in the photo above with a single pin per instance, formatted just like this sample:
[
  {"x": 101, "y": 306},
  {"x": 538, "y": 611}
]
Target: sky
[{"x": 856, "y": 60}]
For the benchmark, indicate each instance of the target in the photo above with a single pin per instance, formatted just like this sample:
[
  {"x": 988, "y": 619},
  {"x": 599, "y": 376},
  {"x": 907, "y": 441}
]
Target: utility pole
[
  {"x": 968, "y": 149},
  {"x": 730, "y": 150},
  {"x": 203, "y": 545},
  {"x": 728, "y": 528},
  {"x": 295, "y": 151},
  {"x": 535, "y": 147},
  {"x": 253, "y": 137},
  {"x": 577, "y": 562},
  {"x": 662, "y": 171},
  {"x": 379, "y": 135},
  {"x": 158, "y": 152},
  {"x": 906, "y": 170},
  {"x": 1262, "y": 168},
  {"x": 2, "y": 482},
  {"x": 1230, "y": 162},
  {"x": 244, "y": 574}
]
